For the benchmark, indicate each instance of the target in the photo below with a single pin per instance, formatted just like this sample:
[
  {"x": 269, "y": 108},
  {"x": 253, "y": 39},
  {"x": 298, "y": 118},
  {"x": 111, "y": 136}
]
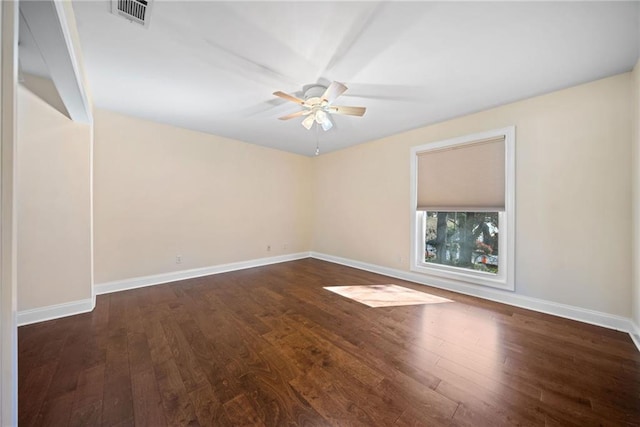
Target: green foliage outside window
[{"x": 462, "y": 239}]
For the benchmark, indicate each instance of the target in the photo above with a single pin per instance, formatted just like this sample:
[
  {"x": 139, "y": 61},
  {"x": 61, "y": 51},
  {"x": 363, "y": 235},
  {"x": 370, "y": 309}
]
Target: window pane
[{"x": 462, "y": 239}]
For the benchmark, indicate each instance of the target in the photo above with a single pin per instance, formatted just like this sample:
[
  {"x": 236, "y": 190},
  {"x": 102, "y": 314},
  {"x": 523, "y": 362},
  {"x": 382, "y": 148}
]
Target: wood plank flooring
[{"x": 269, "y": 347}]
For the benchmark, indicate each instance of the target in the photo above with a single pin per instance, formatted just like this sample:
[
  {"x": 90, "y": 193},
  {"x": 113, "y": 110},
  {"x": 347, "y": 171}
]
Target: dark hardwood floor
[{"x": 269, "y": 347}]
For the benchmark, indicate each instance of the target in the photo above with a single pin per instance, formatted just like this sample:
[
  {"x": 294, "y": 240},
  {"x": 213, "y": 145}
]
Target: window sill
[{"x": 464, "y": 275}]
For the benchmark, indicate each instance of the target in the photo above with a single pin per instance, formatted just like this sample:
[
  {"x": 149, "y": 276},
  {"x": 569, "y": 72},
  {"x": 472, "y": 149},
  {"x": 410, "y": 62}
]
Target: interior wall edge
[
  {"x": 8, "y": 218},
  {"x": 635, "y": 199},
  {"x": 606, "y": 320}
]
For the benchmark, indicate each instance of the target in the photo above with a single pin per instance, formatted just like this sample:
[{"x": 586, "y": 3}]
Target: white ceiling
[{"x": 212, "y": 66}]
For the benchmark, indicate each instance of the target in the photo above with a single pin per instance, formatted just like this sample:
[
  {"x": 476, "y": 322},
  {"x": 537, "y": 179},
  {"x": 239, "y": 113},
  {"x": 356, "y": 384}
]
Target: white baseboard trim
[
  {"x": 50, "y": 312},
  {"x": 635, "y": 334},
  {"x": 42, "y": 314},
  {"x": 506, "y": 297},
  {"x": 157, "y": 279},
  {"x": 593, "y": 317}
]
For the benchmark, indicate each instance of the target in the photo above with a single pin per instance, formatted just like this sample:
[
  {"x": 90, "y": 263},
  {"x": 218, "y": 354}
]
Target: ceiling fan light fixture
[
  {"x": 317, "y": 105},
  {"x": 321, "y": 116},
  {"x": 326, "y": 124},
  {"x": 308, "y": 121}
]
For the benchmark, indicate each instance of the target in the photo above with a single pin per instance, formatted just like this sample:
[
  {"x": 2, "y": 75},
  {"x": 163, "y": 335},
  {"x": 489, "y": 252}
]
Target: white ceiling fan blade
[
  {"x": 349, "y": 111},
  {"x": 308, "y": 122},
  {"x": 289, "y": 97},
  {"x": 334, "y": 90},
  {"x": 294, "y": 115}
]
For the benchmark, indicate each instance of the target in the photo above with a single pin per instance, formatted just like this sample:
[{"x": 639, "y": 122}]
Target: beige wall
[
  {"x": 54, "y": 207},
  {"x": 573, "y": 192},
  {"x": 636, "y": 193},
  {"x": 162, "y": 191}
]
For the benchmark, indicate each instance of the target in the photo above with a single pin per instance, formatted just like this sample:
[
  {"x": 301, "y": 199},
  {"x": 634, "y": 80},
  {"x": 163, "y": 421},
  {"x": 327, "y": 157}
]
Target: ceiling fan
[{"x": 317, "y": 105}]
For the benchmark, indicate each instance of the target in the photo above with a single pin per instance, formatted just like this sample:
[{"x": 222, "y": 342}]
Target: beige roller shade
[{"x": 466, "y": 177}]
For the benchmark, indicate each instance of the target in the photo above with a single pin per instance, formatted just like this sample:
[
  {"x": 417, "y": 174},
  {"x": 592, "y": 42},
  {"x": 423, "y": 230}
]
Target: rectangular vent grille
[{"x": 134, "y": 10}]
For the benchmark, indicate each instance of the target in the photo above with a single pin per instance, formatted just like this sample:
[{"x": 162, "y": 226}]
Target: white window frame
[{"x": 505, "y": 278}]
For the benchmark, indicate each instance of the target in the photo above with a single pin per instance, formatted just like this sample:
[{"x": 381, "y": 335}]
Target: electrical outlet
[
  {"x": 284, "y": 247},
  {"x": 178, "y": 259},
  {"x": 268, "y": 248}
]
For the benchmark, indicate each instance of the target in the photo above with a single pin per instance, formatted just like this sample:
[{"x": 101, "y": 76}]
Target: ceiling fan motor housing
[{"x": 313, "y": 95}]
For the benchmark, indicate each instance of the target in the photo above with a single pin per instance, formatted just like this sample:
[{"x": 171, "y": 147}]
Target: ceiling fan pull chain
[{"x": 317, "y": 139}]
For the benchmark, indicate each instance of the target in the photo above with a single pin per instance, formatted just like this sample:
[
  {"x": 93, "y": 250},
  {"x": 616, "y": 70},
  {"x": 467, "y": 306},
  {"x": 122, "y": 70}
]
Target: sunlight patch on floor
[{"x": 386, "y": 295}]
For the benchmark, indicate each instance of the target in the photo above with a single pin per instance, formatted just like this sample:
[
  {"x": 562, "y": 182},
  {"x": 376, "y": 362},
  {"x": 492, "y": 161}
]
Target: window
[
  {"x": 462, "y": 207},
  {"x": 462, "y": 239}
]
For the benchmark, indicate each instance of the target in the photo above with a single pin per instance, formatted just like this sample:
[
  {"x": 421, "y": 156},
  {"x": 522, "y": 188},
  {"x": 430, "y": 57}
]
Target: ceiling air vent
[{"x": 134, "y": 10}]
